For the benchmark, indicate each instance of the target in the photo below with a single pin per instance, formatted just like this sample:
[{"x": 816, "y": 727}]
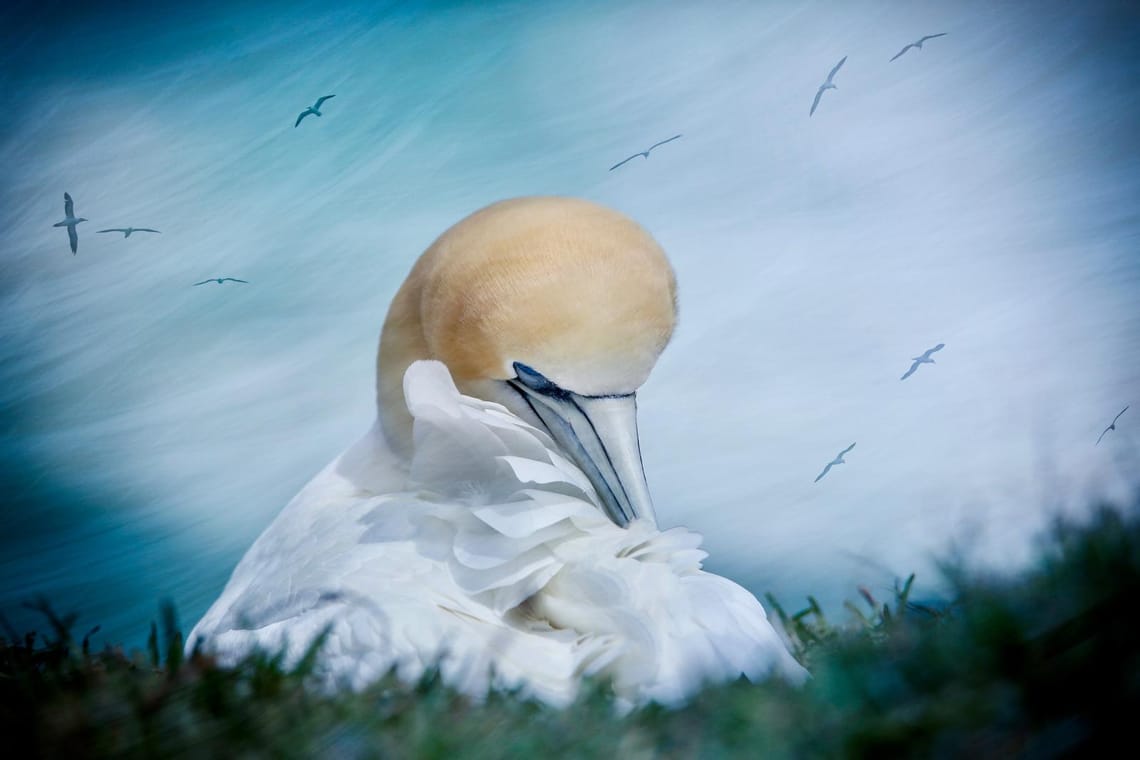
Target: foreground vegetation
[{"x": 1044, "y": 664}]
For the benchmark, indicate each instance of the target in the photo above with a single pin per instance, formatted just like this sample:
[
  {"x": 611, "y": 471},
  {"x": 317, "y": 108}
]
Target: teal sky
[{"x": 981, "y": 192}]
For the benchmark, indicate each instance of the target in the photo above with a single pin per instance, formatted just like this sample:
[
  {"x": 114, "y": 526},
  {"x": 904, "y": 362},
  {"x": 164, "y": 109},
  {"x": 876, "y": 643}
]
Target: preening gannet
[{"x": 496, "y": 520}]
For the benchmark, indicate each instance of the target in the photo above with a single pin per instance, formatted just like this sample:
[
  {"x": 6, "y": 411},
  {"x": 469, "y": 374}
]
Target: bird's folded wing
[{"x": 494, "y": 558}]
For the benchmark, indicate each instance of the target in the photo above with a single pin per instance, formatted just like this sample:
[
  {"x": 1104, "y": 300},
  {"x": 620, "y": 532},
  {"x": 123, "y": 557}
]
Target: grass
[{"x": 1042, "y": 664}]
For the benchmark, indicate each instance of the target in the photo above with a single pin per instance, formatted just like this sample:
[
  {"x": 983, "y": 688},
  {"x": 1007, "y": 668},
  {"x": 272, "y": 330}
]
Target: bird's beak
[{"x": 600, "y": 434}]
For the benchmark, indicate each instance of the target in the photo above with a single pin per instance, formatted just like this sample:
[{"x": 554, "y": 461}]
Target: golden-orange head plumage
[{"x": 575, "y": 290}]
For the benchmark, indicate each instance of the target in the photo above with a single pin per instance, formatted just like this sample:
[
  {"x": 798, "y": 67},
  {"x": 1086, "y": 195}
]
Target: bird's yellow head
[{"x": 555, "y": 307}]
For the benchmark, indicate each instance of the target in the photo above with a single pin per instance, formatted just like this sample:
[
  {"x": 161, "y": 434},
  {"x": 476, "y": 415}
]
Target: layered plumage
[
  {"x": 478, "y": 524},
  {"x": 495, "y": 558}
]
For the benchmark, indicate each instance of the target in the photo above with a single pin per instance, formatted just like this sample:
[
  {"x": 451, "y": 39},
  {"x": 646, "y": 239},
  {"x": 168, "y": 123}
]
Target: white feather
[{"x": 490, "y": 556}]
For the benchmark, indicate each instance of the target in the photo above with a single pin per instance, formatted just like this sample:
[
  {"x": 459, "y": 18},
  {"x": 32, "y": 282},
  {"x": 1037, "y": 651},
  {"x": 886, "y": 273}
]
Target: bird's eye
[{"x": 534, "y": 379}]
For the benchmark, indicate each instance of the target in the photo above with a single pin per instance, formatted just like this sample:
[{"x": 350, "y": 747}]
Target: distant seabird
[
  {"x": 1112, "y": 426},
  {"x": 919, "y": 43},
  {"x": 69, "y": 221},
  {"x": 828, "y": 85},
  {"x": 838, "y": 460},
  {"x": 128, "y": 230},
  {"x": 924, "y": 359},
  {"x": 644, "y": 152},
  {"x": 314, "y": 109},
  {"x": 220, "y": 280}
]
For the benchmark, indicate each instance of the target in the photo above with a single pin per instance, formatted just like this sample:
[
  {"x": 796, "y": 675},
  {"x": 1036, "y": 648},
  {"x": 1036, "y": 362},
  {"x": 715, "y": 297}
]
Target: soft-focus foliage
[{"x": 1040, "y": 665}]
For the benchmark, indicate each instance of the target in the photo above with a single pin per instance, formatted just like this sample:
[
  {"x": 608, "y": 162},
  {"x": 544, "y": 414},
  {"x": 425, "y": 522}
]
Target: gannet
[
  {"x": 918, "y": 44},
  {"x": 69, "y": 221},
  {"x": 1112, "y": 426},
  {"x": 827, "y": 85},
  {"x": 838, "y": 460},
  {"x": 924, "y": 359},
  {"x": 495, "y": 521},
  {"x": 128, "y": 230},
  {"x": 645, "y": 152},
  {"x": 220, "y": 280},
  {"x": 314, "y": 109}
]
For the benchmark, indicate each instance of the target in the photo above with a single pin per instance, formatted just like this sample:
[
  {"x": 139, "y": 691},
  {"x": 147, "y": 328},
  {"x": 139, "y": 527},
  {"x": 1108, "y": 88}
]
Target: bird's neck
[{"x": 402, "y": 342}]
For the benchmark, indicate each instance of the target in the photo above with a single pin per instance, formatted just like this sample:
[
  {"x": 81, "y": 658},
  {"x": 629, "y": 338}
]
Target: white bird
[
  {"x": 221, "y": 280},
  {"x": 645, "y": 153},
  {"x": 1112, "y": 426},
  {"x": 128, "y": 230},
  {"x": 314, "y": 109},
  {"x": 838, "y": 460},
  {"x": 69, "y": 221},
  {"x": 496, "y": 519},
  {"x": 924, "y": 359},
  {"x": 827, "y": 85},
  {"x": 919, "y": 43}
]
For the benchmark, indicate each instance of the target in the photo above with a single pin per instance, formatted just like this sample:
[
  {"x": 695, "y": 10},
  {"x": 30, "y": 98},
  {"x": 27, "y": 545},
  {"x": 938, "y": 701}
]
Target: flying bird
[
  {"x": 220, "y": 280},
  {"x": 497, "y": 524},
  {"x": 69, "y": 221},
  {"x": 919, "y": 43},
  {"x": 128, "y": 230},
  {"x": 314, "y": 109},
  {"x": 644, "y": 152},
  {"x": 1112, "y": 426},
  {"x": 838, "y": 460},
  {"x": 924, "y": 359},
  {"x": 828, "y": 85}
]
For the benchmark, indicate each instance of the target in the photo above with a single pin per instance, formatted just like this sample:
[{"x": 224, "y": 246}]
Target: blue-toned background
[{"x": 983, "y": 192}]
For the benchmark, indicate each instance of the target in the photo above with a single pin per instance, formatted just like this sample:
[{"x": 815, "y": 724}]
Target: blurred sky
[{"x": 981, "y": 192}]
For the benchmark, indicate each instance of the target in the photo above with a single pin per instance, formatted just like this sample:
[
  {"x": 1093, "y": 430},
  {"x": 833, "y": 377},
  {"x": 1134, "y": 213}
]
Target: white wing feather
[{"x": 490, "y": 553}]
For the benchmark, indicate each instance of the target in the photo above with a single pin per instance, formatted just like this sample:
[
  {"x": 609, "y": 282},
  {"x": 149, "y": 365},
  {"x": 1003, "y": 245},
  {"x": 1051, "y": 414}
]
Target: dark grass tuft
[{"x": 1044, "y": 664}]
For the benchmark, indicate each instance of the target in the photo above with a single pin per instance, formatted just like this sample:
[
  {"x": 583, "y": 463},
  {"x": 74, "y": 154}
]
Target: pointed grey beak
[{"x": 600, "y": 434}]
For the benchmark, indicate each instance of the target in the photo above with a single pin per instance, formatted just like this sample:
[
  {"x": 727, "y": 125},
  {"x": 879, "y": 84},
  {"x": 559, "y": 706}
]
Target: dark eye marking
[{"x": 536, "y": 381}]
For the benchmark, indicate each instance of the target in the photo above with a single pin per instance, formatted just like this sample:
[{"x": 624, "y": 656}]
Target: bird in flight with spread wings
[
  {"x": 838, "y": 460},
  {"x": 1112, "y": 426},
  {"x": 919, "y": 43},
  {"x": 644, "y": 152},
  {"x": 827, "y": 85},
  {"x": 220, "y": 280},
  {"x": 314, "y": 109},
  {"x": 69, "y": 221},
  {"x": 924, "y": 359},
  {"x": 128, "y": 230}
]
